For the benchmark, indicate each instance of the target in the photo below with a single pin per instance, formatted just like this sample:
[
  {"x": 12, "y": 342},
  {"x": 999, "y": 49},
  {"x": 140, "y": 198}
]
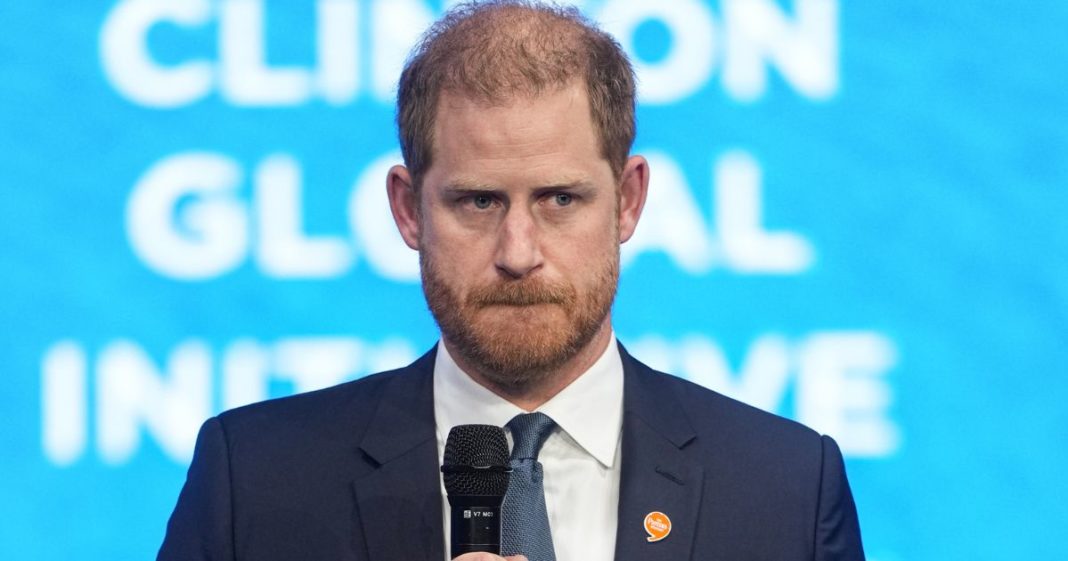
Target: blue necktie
[{"x": 524, "y": 519}]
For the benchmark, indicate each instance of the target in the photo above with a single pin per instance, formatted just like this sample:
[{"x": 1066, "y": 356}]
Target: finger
[{"x": 483, "y": 556}]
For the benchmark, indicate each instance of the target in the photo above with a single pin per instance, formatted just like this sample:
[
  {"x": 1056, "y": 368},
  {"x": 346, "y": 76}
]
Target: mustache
[{"x": 527, "y": 292}]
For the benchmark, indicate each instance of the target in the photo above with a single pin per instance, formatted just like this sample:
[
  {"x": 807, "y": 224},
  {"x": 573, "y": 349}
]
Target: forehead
[{"x": 519, "y": 139}]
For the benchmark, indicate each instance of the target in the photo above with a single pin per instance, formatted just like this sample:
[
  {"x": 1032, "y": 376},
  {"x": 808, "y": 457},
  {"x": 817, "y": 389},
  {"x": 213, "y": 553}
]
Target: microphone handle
[{"x": 475, "y": 524}]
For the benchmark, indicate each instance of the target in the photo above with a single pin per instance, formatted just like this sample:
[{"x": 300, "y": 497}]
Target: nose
[{"x": 518, "y": 251}]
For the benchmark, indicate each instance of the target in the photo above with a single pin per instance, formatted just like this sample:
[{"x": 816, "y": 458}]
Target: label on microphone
[
  {"x": 475, "y": 525},
  {"x": 479, "y": 513},
  {"x": 481, "y": 525}
]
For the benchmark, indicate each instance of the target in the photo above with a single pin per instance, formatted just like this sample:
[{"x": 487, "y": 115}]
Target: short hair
[{"x": 490, "y": 51}]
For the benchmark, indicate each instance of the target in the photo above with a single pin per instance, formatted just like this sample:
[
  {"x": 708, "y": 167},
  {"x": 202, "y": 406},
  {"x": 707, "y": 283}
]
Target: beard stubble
[{"x": 518, "y": 332}]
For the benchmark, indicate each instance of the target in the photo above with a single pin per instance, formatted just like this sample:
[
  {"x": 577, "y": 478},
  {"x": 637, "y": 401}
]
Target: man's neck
[{"x": 529, "y": 398}]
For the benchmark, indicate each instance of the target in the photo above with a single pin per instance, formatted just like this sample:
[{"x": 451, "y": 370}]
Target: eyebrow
[{"x": 462, "y": 187}]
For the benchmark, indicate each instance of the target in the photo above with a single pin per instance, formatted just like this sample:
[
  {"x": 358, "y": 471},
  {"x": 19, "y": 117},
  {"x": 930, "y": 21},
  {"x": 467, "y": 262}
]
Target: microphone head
[{"x": 476, "y": 461}]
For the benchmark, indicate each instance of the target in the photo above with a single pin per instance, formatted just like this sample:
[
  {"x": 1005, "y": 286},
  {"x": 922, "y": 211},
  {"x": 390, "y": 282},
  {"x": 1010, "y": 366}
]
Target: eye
[
  {"x": 482, "y": 202},
  {"x": 563, "y": 199}
]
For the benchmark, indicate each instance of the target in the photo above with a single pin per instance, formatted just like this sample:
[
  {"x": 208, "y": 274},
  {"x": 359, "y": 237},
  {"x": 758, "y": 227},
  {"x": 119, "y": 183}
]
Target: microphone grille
[{"x": 476, "y": 446}]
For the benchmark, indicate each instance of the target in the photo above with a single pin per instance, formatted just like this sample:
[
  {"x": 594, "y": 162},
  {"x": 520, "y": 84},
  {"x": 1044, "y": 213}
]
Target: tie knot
[{"x": 529, "y": 431}]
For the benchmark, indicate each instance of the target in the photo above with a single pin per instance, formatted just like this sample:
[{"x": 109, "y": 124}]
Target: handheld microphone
[{"x": 476, "y": 471}]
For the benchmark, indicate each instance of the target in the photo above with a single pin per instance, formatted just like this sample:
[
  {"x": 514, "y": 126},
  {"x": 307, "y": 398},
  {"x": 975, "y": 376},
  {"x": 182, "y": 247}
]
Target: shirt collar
[{"x": 589, "y": 410}]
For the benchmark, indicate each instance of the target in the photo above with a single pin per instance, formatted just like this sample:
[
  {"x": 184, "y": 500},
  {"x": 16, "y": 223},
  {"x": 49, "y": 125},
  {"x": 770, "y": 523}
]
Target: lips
[{"x": 521, "y": 293}]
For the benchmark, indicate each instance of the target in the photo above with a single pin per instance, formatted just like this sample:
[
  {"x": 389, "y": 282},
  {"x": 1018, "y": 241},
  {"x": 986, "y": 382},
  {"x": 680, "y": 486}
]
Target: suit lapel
[
  {"x": 656, "y": 474},
  {"x": 399, "y": 499}
]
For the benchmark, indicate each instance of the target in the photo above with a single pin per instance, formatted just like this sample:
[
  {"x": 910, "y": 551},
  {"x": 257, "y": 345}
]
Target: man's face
[{"x": 519, "y": 232}]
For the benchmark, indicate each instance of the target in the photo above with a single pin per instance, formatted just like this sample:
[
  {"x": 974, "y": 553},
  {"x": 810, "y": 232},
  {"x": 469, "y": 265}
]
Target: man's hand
[{"x": 482, "y": 556}]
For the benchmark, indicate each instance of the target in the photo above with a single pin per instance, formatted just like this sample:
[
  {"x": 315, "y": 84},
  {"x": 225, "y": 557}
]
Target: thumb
[{"x": 482, "y": 556}]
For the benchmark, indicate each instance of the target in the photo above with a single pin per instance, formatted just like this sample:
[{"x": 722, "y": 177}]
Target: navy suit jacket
[{"x": 351, "y": 473}]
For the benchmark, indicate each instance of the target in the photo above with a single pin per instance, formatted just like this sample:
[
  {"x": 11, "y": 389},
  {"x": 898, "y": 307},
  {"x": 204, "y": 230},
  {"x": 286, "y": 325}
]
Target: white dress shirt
[{"x": 580, "y": 458}]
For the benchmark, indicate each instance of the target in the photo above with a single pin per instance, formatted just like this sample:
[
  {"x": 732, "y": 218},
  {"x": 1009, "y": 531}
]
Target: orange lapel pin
[{"x": 657, "y": 525}]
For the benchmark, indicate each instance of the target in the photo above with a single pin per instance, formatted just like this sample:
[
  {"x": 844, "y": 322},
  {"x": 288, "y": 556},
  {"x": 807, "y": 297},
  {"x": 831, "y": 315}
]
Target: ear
[
  {"x": 634, "y": 186},
  {"x": 404, "y": 203}
]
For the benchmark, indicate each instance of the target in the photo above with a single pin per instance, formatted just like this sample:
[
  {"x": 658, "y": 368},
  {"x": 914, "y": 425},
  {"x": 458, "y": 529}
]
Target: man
[{"x": 516, "y": 123}]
